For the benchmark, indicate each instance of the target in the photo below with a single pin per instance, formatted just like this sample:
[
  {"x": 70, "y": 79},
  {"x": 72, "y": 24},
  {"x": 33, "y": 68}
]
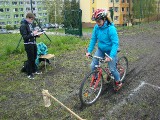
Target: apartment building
[
  {"x": 13, "y": 11},
  {"x": 121, "y": 10}
]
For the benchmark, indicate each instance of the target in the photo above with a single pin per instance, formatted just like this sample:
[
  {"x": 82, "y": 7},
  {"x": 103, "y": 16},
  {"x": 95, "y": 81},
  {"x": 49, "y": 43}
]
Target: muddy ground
[{"x": 139, "y": 99}]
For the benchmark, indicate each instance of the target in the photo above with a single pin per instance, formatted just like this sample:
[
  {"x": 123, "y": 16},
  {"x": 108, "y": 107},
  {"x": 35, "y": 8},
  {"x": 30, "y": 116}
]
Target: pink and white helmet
[{"x": 99, "y": 14}]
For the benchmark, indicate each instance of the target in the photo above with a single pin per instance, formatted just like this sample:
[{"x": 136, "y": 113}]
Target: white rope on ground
[
  {"x": 47, "y": 96},
  {"x": 154, "y": 86}
]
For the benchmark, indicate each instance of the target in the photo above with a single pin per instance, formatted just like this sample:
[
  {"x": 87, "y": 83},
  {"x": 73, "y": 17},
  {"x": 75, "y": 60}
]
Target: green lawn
[
  {"x": 56, "y": 30},
  {"x": 9, "y": 53},
  {"x": 63, "y": 30}
]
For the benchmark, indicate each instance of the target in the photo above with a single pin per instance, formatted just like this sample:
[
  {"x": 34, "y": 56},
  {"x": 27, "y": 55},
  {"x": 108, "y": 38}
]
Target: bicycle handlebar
[{"x": 100, "y": 58}]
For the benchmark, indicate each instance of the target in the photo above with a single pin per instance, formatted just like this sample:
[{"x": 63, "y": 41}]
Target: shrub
[{"x": 9, "y": 27}]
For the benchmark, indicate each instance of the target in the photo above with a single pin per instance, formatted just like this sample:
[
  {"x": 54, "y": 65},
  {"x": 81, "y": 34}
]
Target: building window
[
  {"x": 2, "y": 23},
  {"x": 127, "y": 1},
  {"x": 20, "y": 9},
  {"x": 117, "y": 0},
  {"x": 7, "y": 16},
  {"x": 21, "y": 15},
  {"x": 116, "y": 18},
  {"x": 111, "y": 0},
  {"x": 7, "y": 9},
  {"x": 15, "y": 10},
  {"x": 92, "y": 10},
  {"x": 21, "y": 3},
  {"x": 1, "y": 9},
  {"x": 116, "y": 9},
  {"x": 28, "y": 9},
  {"x": 124, "y": 19},
  {"x": 123, "y": 1},
  {"x": 6, "y": 3},
  {"x": 14, "y": 3},
  {"x": 44, "y": 14},
  {"x": 122, "y": 9},
  {"x": 92, "y": 1},
  {"x": 127, "y": 9},
  {"x": 9, "y": 22},
  {"x": 16, "y": 22},
  {"x": 16, "y": 16}
]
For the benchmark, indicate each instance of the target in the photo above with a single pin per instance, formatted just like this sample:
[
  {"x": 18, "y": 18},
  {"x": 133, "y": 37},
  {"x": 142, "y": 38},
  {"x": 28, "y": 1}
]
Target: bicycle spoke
[
  {"x": 89, "y": 94},
  {"x": 122, "y": 67}
]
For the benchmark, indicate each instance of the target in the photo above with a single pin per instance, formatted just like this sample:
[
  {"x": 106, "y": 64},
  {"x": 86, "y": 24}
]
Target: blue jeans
[{"x": 111, "y": 64}]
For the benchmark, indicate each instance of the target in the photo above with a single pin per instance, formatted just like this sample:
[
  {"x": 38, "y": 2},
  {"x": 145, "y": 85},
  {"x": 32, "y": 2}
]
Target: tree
[
  {"x": 54, "y": 8},
  {"x": 143, "y": 8},
  {"x": 67, "y": 16},
  {"x": 74, "y": 5}
]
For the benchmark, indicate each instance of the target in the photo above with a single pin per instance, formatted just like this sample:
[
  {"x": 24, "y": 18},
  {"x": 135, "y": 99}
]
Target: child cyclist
[{"x": 105, "y": 34}]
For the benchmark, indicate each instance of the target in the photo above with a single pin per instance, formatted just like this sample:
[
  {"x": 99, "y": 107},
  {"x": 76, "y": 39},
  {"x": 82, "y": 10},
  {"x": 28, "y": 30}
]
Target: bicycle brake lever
[{"x": 108, "y": 56}]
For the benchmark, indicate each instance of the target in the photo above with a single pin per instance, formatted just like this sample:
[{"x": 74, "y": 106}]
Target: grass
[
  {"x": 10, "y": 57},
  {"x": 56, "y": 30}
]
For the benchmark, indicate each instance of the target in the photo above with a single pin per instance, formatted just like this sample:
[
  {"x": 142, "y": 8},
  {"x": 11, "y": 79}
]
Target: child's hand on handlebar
[
  {"x": 107, "y": 59},
  {"x": 88, "y": 54}
]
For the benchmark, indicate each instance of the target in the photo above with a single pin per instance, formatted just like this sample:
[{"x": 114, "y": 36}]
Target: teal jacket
[
  {"x": 107, "y": 39},
  {"x": 41, "y": 50}
]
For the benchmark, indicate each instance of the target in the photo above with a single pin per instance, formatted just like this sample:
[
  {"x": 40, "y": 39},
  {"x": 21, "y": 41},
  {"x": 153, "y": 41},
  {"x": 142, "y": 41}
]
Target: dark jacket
[{"x": 27, "y": 33}]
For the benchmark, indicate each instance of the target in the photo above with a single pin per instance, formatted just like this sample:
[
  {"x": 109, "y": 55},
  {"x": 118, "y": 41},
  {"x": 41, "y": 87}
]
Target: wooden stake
[{"x": 46, "y": 93}]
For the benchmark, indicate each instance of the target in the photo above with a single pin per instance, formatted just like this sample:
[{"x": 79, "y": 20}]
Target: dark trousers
[{"x": 31, "y": 50}]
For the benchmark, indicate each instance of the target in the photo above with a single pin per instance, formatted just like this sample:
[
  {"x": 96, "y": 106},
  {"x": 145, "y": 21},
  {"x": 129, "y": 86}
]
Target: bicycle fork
[{"x": 96, "y": 78}]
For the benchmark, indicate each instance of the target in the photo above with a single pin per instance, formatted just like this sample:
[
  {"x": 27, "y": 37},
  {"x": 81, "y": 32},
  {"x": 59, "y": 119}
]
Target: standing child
[{"x": 29, "y": 37}]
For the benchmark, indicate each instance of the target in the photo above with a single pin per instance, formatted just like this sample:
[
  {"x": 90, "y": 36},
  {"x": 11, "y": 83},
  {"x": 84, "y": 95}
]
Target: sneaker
[
  {"x": 38, "y": 73},
  {"x": 30, "y": 76},
  {"x": 118, "y": 85}
]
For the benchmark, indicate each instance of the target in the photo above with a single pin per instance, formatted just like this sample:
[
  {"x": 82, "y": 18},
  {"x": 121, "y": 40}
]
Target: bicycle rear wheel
[
  {"x": 122, "y": 67},
  {"x": 88, "y": 93}
]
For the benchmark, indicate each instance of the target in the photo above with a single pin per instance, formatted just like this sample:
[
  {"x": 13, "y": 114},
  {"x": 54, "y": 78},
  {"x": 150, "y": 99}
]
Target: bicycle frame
[{"x": 99, "y": 69}]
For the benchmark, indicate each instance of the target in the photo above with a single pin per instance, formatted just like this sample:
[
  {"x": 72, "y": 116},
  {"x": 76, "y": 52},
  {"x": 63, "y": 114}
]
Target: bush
[{"x": 9, "y": 27}]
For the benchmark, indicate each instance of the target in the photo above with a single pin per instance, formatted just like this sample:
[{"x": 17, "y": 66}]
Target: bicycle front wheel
[
  {"x": 90, "y": 90},
  {"x": 122, "y": 67}
]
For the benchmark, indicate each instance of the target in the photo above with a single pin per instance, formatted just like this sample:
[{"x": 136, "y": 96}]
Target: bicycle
[{"x": 91, "y": 88}]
